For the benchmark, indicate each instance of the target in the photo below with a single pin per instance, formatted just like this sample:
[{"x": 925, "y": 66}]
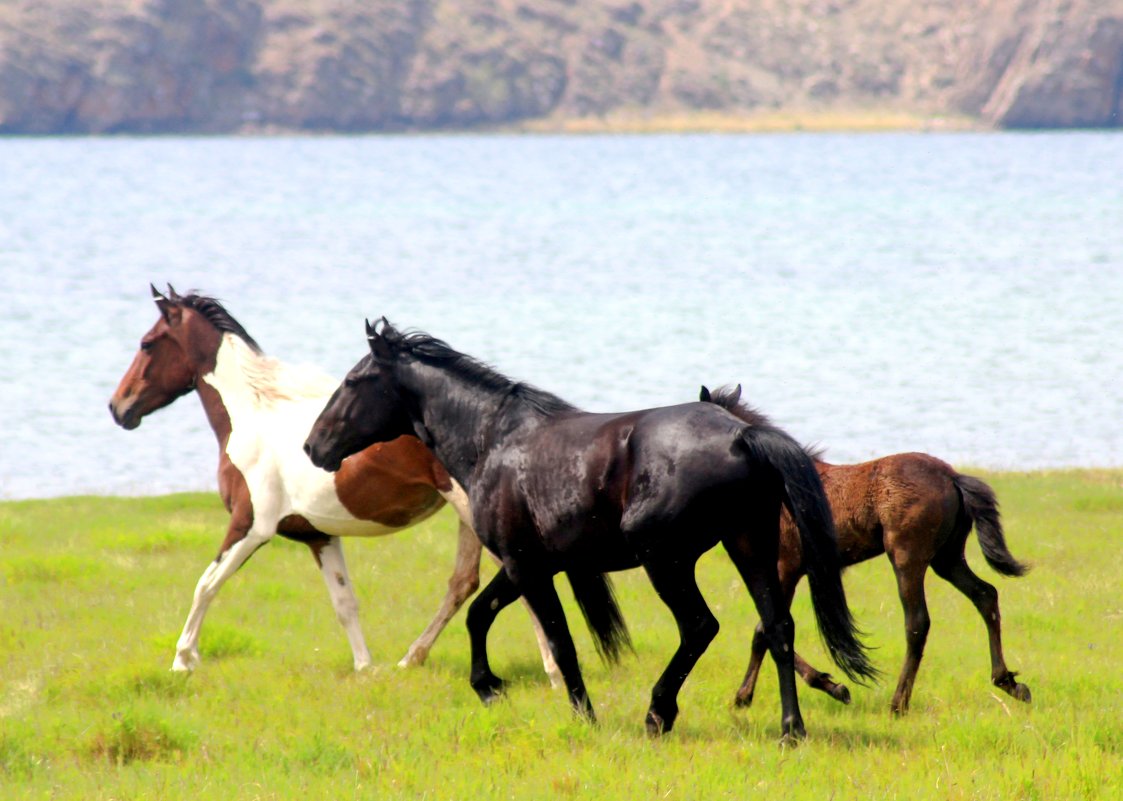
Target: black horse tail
[
  {"x": 597, "y": 601},
  {"x": 807, "y": 502},
  {"x": 981, "y": 506}
]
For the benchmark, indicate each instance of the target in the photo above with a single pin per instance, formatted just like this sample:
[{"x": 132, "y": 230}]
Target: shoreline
[
  {"x": 635, "y": 122},
  {"x": 1103, "y": 475}
]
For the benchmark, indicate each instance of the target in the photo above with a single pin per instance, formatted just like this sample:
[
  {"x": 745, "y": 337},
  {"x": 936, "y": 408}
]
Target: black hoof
[
  {"x": 656, "y": 726},
  {"x": 793, "y": 735},
  {"x": 1021, "y": 692},
  {"x": 489, "y": 689},
  {"x": 840, "y": 693},
  {"x": 743, "y": 701}
]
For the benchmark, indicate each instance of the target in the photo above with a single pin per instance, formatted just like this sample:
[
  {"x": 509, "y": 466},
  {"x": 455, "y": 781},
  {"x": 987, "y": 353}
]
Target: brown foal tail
[{"x": 982, "y": 507}]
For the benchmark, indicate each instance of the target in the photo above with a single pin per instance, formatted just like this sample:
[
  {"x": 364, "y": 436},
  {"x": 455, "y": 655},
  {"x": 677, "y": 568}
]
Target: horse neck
[
  {"x": 458, "y": 417},
  {"x": 224, "y": 385},
  {"x": 210, "y": 391},
  {"x": 217, "y": 415}
]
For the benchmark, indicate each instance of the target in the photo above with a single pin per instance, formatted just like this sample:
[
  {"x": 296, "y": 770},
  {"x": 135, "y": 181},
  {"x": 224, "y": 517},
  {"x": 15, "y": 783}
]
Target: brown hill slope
[{"x": 223, "y": 65}]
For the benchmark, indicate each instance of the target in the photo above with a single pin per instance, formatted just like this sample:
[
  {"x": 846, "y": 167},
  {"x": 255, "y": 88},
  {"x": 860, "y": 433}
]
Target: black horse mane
[
  {"x": 216, "y": 315},
  {"x": 729, "y": 398},
  {"x": 430, "y": 349}
]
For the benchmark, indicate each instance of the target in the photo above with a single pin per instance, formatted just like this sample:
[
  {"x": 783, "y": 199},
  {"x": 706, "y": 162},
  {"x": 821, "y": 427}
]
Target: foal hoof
[
  {"x": 1021, "y": 692},
  {"x": 743, "y": 701},
  {"x": 840, "y": 693}
]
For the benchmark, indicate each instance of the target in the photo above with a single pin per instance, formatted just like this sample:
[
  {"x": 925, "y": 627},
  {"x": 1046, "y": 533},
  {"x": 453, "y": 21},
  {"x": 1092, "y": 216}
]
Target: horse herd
[{"x": 548, "y": 488}]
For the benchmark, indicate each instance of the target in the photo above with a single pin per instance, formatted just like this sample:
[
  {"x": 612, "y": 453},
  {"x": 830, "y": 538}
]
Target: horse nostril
[{"x": 307, "y": 449}]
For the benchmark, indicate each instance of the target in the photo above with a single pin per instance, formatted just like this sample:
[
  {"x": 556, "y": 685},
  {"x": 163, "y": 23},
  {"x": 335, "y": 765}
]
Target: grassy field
[{"x": 93, "y": 592}]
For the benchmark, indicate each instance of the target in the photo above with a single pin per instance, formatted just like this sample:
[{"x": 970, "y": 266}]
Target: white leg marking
[
  {"x": 334, "y": 569},
  {"x": 216, "y": 574}
]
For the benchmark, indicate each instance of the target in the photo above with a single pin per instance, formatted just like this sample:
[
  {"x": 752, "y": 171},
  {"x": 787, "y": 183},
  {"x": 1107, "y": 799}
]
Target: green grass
[{"x": 93, "y": 592}]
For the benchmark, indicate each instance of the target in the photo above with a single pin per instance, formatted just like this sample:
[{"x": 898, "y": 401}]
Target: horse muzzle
[
  {"x": 321, "y": 459},
  {"x": 125, "y": 415}
]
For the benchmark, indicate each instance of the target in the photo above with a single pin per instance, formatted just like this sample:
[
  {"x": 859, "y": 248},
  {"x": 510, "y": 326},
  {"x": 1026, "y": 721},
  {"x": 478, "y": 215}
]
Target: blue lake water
[{"x": 960, "y": 294}]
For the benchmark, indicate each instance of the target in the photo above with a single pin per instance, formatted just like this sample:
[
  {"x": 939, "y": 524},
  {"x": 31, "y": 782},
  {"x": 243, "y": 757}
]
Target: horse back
[
  {"x": 593, "y": 483},
  {"x": 682, "y": 467},
  {"x": 906, "y": 500}
]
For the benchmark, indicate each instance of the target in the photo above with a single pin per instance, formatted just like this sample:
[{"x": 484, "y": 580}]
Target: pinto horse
[
  {"x": 259, "y": 409},
  {"x": 918, "y": 511},
  {"x": 556, "y": 489}
]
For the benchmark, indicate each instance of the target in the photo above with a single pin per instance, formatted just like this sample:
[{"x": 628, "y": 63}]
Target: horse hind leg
[
  {"x": 815, "y": 679},
  {"x": 538, "y": 590},
  {"x": 984, "y": 596},
  {"x": 757, "y": 569},
  {"x": 676, "y": 586},
  {"x": 463, "y": 582},
  {"x": 329, "y": 555}
]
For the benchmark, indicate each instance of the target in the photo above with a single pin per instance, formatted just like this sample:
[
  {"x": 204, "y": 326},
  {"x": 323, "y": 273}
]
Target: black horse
[{"x": 556, "y": 489}]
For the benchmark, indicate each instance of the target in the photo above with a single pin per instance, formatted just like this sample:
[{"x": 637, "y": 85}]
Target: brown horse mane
[
  {"x": 216, "y": 314},
  {"x": 729, "y": 398}
]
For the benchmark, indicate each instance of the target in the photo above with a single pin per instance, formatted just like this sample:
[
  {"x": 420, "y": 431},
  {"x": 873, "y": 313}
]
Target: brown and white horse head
[{"x": 173, "y": 354}]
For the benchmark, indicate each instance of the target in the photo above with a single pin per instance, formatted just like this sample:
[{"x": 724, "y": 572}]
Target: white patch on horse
[{"x": 267, "y": 438}]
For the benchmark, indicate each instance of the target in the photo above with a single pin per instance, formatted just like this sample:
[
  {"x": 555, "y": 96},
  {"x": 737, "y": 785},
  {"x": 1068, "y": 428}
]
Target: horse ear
[
  {"x": 386, "y": 328},
  {"x": 704, "y": 395},
  {"x": 162, "y": 303},
  {"x": 735, "y": 395},
  {"x": 379, "y": 347}
]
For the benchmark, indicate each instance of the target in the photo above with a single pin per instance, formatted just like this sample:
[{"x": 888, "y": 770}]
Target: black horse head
[{"x": 366, "y": 408}]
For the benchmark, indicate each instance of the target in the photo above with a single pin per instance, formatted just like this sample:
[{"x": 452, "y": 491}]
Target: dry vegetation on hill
[{"x": 227, "y": 65}]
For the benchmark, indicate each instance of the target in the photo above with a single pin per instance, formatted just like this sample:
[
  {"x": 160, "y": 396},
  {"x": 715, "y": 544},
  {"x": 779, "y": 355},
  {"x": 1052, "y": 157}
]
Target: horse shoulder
[{"x": 393, "y": 483}]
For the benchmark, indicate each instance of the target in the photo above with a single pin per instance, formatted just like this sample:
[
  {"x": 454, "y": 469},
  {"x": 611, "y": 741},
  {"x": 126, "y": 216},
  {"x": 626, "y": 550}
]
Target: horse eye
[{"x": 146, "y": 345}]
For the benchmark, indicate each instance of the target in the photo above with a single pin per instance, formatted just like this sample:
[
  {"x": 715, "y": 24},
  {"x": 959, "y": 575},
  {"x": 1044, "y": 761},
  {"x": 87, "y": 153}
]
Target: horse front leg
[
  {"x": 499, "y": 593},
  {"x": 329, "y": 555},
  {"x": 239, "y": 545},
  {"x": 910, "y": 587},
  {"x": 744, "y": 696}
]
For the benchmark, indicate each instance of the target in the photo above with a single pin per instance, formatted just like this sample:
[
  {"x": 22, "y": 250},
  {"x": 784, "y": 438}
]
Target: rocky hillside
[{"x": 77, "y": 66}]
